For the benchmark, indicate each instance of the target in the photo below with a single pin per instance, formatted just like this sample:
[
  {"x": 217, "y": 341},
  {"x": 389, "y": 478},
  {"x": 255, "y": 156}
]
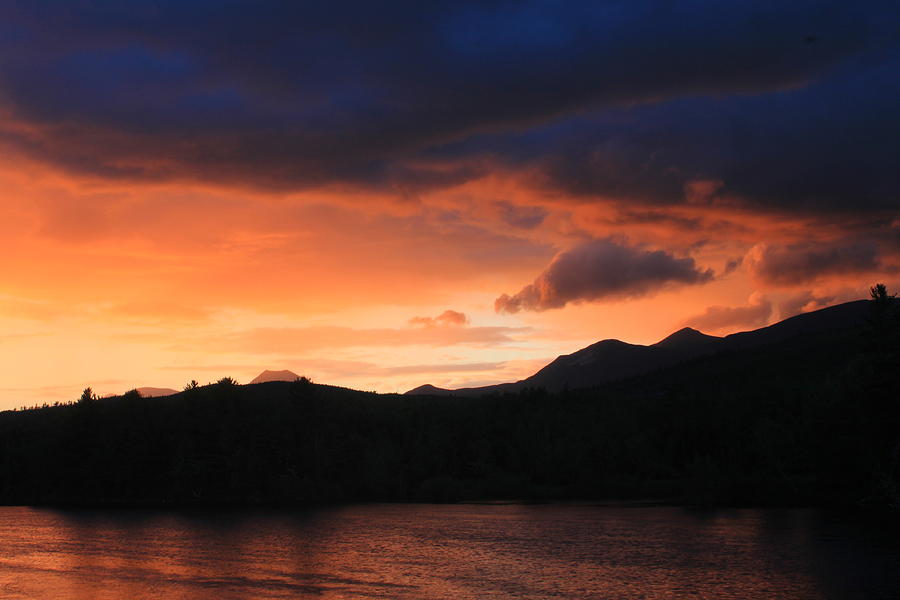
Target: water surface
[{"x": 447, "y": 551}]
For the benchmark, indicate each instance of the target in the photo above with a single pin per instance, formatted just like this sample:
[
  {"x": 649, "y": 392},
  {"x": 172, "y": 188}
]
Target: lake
[{"x": 447, "y": 551}]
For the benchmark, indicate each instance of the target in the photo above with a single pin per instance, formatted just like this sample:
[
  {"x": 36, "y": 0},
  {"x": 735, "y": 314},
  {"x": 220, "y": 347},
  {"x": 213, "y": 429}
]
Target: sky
[{"x": 383, "y": 195}]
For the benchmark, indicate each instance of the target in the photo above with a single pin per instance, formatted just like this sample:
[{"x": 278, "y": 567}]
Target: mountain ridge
[
  {"x": 267, "y": 375},
  {"x": 612, "y": 359},
  {"x": 155, "y": 392},
  {"x": 802, "y": 413}
]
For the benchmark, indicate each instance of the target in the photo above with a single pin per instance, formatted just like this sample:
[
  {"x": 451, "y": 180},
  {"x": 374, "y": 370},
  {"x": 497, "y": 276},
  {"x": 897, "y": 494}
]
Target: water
[{"x": 446, "y": 551}]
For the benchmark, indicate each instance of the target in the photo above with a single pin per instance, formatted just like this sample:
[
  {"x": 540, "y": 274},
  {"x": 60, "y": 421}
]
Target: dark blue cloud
[
  {"x": 786, "y": 103},
  {"x": 830, "y": 144}
]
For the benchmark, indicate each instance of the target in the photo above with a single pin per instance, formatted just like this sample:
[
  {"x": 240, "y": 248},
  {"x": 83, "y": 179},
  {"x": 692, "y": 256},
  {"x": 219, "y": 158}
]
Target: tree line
[{"x": 814, "y": 420}]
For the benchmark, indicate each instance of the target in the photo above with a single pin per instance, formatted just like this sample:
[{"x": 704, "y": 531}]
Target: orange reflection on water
[{"x": 443, "y": 551}]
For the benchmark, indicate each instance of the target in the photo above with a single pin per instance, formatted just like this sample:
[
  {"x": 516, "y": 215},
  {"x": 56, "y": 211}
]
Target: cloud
[
  {"x": 368, "y": 369},
  {"x": 805, "y": 302},
  {"x": 754, "y": 314},
  {"x": 522, "y": 217},
  {"x": 158, "y": 312},
  {"x": 297, "y": 340},
  {"x": 442, "y": 368},
  {"x": 600, "y": 270},
  {"x": 15, "y": 337},
  {"x": 829, "y": 146},
  {"x": 448, "y": 318},
  {"x": 222, "y": 368},
  {"x": 27, "y": 308},
  {"x": 793, "y": 264},
  {"x": 354, "y": 368},
  {"x": 417, "y": 95},
  {"x": 158, "y": 157},
  {"x": 732, "y": 265}
]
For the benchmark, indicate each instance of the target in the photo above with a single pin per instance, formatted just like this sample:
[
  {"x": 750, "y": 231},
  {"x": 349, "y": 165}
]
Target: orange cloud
[
  {"x": 173, "y": 273},
  {"x": 754, "y": 314},
  {"x": 448, "y": 318},
  {"x": 305, "y": 339}
]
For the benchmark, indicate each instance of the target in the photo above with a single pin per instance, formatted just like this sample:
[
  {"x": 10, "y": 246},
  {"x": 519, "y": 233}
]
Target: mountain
[
  {"x": 429, "y": 390},
  {"x": 153, "y": 392},
  {"x": 840, "y": 317},
  {"x": 275, "y": 376},
  {"x": 606, "y": 360},
  {"x": 801, "y": 413},
  {"x": 611, "y": 360},
  {"x": 686, "y": 338}
]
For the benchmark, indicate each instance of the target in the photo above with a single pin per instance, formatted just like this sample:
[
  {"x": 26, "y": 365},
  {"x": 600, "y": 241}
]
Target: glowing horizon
[{"x": 175, "y": 209}]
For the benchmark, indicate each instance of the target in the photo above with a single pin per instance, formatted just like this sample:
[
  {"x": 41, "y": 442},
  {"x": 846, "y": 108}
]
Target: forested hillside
[{"x": 813, "y": 419}]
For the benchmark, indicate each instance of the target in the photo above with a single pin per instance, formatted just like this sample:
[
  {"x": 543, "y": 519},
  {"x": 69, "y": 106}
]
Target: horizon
[
  {"x": 144, "y": 389},
  {"x": 451, "y": 194}
]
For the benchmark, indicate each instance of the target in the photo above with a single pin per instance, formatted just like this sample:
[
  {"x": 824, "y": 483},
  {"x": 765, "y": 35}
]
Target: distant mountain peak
[
  {"x": 683, "y": 337},
  {"x": 429, "y": 390},
  {"x": 154, "y": 392},
  {"x": 268, "y": 375}
]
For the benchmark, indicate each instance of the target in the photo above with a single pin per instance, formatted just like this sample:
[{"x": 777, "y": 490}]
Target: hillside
[
  {"x": 795, "y": 414},
  {"x": 611, "y": 360}
]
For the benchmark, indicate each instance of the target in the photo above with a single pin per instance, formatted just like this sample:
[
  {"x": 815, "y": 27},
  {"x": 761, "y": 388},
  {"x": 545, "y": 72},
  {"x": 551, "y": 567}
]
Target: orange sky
[
  {"x": 117, "y": 285},
  {"x": 193, "y": 190}
]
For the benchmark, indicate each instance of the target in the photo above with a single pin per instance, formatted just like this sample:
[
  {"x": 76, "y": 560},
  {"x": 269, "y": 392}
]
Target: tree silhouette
[
  {"x": 87, "y": 396},
  {"x": 881, "y": 339},
  {"x": 191, "y": 385},
  {"x": 816, "y": 421},
  {"x": 879, "y": 293}
]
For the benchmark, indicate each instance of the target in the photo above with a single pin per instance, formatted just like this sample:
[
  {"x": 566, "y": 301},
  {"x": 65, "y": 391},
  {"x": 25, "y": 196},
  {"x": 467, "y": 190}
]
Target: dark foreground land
[{"x": 813, "y": 419}]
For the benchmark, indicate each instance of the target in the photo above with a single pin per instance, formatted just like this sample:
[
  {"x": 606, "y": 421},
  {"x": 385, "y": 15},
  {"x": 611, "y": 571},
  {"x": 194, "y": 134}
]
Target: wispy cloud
[
  {"x": 755, "y": 313},
  {"x": 299, "y": 340}
]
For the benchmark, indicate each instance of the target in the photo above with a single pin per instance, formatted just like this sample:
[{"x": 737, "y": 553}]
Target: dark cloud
[
  {"x": 732, "y": 265},
  {"x": 599, "y": 270},
  {"x": 789, "y": 265},
  {"x": 626, "y": 99},
  {"x": 828, "y": 145},
  {"x": 755, "y": 313},
  {"x": 522, "y": 217}
]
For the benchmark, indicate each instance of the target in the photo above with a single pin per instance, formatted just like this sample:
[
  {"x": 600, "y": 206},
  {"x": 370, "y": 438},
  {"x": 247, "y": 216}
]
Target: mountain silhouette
[
  {"x": 611, "y": 360},
  {"x": 428, "y": 390},
  {"x": 275, "y": 376},
  {"x": 800, "y": 413},
  {"x": 686, "y": 338},
  {"x": 154, "y": 392}
]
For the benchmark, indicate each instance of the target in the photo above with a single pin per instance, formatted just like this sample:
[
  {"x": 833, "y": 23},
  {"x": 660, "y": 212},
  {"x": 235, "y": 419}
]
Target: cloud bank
[{"x": 632, "y": 100}]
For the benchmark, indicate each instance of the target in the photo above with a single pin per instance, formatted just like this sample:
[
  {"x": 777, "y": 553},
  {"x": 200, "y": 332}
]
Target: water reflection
[{"x": 427, "y": 551}]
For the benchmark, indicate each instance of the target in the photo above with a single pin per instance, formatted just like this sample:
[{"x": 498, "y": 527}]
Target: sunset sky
[{"x": 385, "y": 195}]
